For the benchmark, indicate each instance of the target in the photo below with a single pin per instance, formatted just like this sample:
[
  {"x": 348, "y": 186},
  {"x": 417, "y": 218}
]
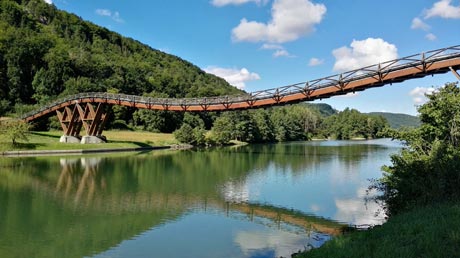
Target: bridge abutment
[
  {"x": 69, "y": 139},
  {"x": 89, "y": 139}
]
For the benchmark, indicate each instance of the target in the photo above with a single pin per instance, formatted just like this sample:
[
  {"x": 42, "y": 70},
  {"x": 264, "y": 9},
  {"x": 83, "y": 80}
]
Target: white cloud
[
  {"x": 315, "y": 61},
  {"x": 278, "y": 243},
  {"x": 236, "y": 77},
  {"x": 282, "y": 53},
  {"x": 418, "y": 94},
  {"x": 291, "y": 19},
  {"x": 443, "y": 9},
  {"x": 356, "y": 211},
  {"x": 430, "y": 36},
  {"x": 271, "y": 46},
  {"x": 220, "y": 3},
  {"x": 49, "y": 1},
  {"x": 107, "y": 13},
  {"x": 363, "y": 53},
  {"x": 116, "y": 17},
  {"x": 103, "y": 12},
  {"x": 417, "y": 23}
]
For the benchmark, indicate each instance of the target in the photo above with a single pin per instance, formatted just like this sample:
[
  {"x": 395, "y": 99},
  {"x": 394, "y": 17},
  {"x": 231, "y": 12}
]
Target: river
[{"x": 246, "y": 201}]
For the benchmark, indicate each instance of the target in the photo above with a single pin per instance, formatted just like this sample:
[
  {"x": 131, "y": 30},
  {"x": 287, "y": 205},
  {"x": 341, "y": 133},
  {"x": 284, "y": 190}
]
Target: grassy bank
[
  {"x": 116, "y": 139},
  {"x": 432, "y": 231}
]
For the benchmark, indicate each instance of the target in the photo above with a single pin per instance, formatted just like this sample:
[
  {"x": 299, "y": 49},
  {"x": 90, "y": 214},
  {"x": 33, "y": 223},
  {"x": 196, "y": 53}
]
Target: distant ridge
[
  {"x": 397, "y": 120},
  {"x": 324, "y": 109}
]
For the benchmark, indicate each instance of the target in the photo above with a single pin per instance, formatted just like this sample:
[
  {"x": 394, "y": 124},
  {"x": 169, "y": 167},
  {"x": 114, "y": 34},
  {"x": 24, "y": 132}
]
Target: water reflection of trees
[
  {"x": 93, "y": 204},
  {"x": 300, "y": 157}
]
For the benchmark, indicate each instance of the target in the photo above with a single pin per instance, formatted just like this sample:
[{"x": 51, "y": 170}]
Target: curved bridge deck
[{"x": 410, "y": 67}]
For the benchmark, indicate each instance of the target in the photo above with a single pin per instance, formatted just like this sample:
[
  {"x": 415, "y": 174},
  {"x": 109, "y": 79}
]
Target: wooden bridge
[{"x": 77, "y": 110}]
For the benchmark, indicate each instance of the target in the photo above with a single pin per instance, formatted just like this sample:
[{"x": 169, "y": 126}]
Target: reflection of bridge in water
[
  {"x": 86, "y": 191},
  {"x": 77, "y": 111},
  {"x": 89, "y": 205},
  {"x": 84, "y": 209}
]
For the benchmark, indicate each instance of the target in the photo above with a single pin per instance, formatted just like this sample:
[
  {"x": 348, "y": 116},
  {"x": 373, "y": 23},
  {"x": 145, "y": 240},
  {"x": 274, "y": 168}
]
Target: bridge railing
[{"x": 337, "y": 80}]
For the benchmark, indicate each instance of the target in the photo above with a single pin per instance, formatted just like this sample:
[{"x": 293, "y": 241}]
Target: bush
[
  {"x": 418, "y": 180},
  {"x": 428, "y": 169},
  {"x": 14, "y": 130},
  {"x": 185, "y": 134}
]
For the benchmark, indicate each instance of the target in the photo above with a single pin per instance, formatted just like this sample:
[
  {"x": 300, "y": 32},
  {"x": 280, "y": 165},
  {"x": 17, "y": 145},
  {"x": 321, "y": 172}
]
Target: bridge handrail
[{"x": 422, "y": 59}]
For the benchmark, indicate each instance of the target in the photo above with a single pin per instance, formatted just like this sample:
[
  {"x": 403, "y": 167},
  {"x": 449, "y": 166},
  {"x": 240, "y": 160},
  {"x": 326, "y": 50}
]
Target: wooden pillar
[
  {"x": 82, "y": 115},
  {"x": 93, "y": 120},
  {"x": 70, "y": 121},
  {"x": 455, "y": 73}
]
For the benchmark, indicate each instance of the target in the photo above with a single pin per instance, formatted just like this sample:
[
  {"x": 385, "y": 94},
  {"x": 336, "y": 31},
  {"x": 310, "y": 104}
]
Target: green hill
[
  {"x": 397, "y": 121},
  {"x": 46, "y": 53},
  {"x": 324, "y": 109}
]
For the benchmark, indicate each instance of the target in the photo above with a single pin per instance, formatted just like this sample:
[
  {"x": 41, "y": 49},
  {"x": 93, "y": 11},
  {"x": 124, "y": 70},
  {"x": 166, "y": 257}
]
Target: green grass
[
  {"x": 116, "y": 139},
  {"x": 432, "y": 231}
]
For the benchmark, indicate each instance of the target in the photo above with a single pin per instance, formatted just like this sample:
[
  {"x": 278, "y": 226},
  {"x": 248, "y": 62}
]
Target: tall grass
[{"x": 432, "y": 231}]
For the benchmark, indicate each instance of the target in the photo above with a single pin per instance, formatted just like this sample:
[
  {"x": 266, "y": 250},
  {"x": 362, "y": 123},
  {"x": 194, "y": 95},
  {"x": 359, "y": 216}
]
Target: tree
[
  {"x": 14, "y": 130},
  {"x": 350, "y": 123},
  {"x": 428, "y": 169},
  {"x": 288, "y": 124},
  {"x": 192, "y": 130},
  {"x": 185, "y": 134},
  {"x": 440, "y": 116},
  {"x": 222, "y": 130},
  {"x": 263, "y": 126}
]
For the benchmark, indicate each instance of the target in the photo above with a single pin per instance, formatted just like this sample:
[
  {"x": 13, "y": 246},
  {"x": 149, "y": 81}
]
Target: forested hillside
[
  {"x": 323, "y": 108},
  {"x": 397, "y": 121},
  {"x": 46, "y": 53}
]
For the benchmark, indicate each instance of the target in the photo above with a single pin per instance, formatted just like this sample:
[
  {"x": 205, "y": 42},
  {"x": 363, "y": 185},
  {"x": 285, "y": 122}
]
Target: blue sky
[{"x": 262, "y": 44}]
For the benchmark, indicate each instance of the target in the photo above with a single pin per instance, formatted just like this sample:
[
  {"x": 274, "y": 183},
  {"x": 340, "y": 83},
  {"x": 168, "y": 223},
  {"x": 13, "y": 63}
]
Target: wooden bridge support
[
  {"x": 73, "y": 119},
  {"x": 455, "y": 72}
]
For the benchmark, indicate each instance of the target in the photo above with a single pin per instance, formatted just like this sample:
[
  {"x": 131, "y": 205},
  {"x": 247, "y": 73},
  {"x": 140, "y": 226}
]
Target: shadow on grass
[
  {"x": 140, "y": 144},
  {"x": 45, "y": 135},
  {"x": 23, "y": 146}
]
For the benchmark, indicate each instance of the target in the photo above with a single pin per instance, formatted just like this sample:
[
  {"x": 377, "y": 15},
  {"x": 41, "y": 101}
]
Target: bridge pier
[
  {"x": 93, "y": 139},
  {"x": 69, "y": 139},
  {"x": 73, "y": 119}
]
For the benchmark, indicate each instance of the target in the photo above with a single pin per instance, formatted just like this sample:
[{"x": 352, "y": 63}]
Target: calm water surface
[{"x": 251, "y": 201}]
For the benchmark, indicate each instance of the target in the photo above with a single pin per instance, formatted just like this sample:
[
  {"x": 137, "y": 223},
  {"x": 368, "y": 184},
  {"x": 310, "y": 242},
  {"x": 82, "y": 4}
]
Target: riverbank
[
  {"x": 432, "y": 231},
  {"x": 79, "y": 151},
  {"x": 117, "y": 140}
]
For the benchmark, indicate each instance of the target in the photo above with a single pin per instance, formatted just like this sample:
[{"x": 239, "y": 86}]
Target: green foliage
[
  {"x": 294, "y": 123},
  {"x": 290, "y": 123},
  {"x": 428, "y": 170},
  {"x": 222, "y": 131},
  {"x": 193, "y": 120},
  {"x": 4, "y": 106},
  {"x": 265, "y": 131},
  {"x": 46, "y": 53},
  {"x": 14, "y": 130},
  {"x": 192, "y": 130},
  {"x": 185, "y": 134},
  {"x": 350, "y": 124},
  {"x": 157, "y": 121}
]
